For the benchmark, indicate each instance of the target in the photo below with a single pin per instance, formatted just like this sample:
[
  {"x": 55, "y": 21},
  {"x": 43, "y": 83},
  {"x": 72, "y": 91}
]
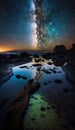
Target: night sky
[{"x": 36, "y": 24}]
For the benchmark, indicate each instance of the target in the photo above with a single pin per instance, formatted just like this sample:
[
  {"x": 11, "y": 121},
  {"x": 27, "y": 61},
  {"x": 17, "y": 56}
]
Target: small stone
[
  {"x": 18, "y": 76},
  {"x": 43, "y": 109},
  {"x": 35, "y": 98},
  {"x": 53, "y": 106},
  {"x": 49, "y": 63},
  {"x": 58, "y": 81}
]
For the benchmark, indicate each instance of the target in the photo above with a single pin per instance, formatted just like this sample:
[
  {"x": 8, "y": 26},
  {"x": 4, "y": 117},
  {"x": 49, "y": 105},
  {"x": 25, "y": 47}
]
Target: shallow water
[{"x": 57, "y": 103}]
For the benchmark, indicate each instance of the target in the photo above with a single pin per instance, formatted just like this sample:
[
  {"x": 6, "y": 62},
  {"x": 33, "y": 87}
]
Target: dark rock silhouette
[
  {"x": 19, "y": 76},
  {"x": 24, "y": 54},
  {"x": 36, "y": 65},
  {"x": 58, "y": 62},
  {"x": 24, "y": 66},
  {"x": 59, "y": 49},
  {"x": 59, "y": 54}
]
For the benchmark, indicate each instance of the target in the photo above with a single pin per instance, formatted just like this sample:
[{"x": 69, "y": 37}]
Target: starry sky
[{"x": 36, "y": 24}]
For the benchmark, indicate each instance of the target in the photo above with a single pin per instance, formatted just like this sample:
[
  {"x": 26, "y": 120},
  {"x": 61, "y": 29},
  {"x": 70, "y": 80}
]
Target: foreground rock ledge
[{"x": 18, "y": 107}]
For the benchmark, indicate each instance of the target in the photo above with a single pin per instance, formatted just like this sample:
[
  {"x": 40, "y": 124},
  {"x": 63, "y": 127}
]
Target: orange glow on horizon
[
  {"x": 17, "y": 45},
  {"x": 4, "y": 50},
  {"x": 15, "y": 48}
]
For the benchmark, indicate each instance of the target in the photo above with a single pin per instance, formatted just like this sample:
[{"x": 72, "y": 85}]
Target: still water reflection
[
  {"x": 52, "y": 80},
  {"x": 44, "y": 73}
]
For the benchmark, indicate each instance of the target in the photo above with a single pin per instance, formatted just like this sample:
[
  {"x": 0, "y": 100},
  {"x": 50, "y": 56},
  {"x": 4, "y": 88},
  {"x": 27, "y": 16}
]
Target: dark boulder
[{"x": 59, "y": 50}]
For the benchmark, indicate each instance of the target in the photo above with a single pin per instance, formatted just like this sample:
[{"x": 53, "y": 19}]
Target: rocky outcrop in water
[
  {"x": 59, "y": 54},
  {"x": 60, "y": 49},
  {"x": 18, "y": 107}
]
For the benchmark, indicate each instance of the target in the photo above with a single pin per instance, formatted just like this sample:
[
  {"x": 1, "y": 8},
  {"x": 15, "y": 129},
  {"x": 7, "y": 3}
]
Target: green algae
[{"x": 45, "y": 116}]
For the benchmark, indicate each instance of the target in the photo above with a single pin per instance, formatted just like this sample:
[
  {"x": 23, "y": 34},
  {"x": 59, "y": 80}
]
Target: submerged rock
[
  {"x": 42, "y": 109},
  {"x": 37, "y": 65},
  {"x": 33, "y": 119},
  {"x": 46, "y": 71},
  {"x": 53, "y": 106},
  {"x": 19, "y": 76},
  {"x": 24, "y": 67},
  {"x": 49, "y": 63},
  {"x": 58, "y": 81}
]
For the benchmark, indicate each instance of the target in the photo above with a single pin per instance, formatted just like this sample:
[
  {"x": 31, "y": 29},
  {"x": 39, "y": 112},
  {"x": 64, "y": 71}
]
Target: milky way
[{"x": 36, "y": 24}]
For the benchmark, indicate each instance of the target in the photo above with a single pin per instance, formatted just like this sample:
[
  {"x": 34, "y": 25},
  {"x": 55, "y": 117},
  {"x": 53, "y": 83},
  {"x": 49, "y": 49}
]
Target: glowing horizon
[{"x": 5, "y": 46}]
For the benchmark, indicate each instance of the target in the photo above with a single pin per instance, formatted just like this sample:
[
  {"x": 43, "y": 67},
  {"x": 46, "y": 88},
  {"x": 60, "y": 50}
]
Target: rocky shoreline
[
  {"x": 69, "y": 70},
  {"x": 7, "y": 61},
  {"x": 5, "y": 74}
]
